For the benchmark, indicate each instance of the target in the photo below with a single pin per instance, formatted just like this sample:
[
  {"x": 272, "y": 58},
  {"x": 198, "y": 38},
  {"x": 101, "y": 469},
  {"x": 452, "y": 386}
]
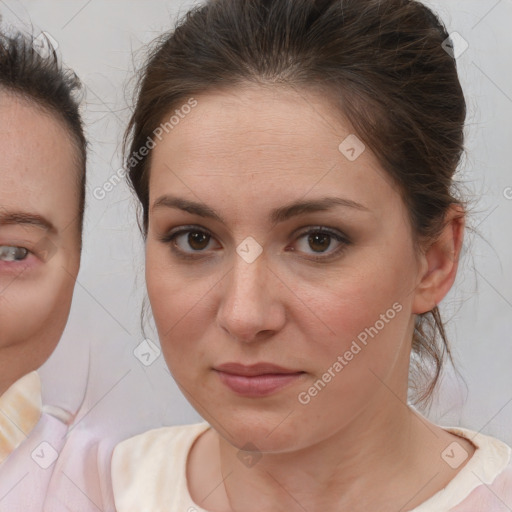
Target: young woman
[
  {"x": 42, "y": 189},
  {"x": 294, "y": 162}
]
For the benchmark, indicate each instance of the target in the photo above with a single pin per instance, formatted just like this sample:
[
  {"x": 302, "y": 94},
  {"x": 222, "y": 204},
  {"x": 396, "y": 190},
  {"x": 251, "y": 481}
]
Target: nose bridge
[
  {"x": 249, "y": 268},
  {"x": 247, "y": 299},
  {"x": 247, "y": 281}
]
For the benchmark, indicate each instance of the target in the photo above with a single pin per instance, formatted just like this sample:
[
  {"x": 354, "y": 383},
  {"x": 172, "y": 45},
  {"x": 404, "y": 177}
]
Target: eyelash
[{"x": 169, "y": 238}]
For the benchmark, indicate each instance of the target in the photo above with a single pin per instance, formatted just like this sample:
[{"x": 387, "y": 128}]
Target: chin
[{"x": 265, "y": 430}]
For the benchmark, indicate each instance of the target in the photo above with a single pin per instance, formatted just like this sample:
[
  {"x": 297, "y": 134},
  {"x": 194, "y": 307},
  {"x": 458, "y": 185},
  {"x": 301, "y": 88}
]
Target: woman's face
[
  {"x": 280, "y": 320},
  {"x": 39, "y": 234}
]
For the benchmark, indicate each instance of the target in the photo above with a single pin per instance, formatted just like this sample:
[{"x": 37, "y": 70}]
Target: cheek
[
  {"x": 353, "y": 297},
  {"x": 170, "y": 295},
  {"x": 181, "y": 303},
  {"x": 173, "y": 288},
  {"x": 347, "y": 369},
  {"x": 165, "y": 290},
  {"x": 176, "y": 304},
  {"x": 35, "y": 311},
  {"x": 363, "y": 314}
]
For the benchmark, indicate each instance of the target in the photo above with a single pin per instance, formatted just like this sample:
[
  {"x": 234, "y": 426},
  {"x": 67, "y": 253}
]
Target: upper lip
[{"x": 253, "y": 369}]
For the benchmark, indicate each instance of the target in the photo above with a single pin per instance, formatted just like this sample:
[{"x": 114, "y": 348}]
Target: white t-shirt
[{"x": 149, "y": 474}]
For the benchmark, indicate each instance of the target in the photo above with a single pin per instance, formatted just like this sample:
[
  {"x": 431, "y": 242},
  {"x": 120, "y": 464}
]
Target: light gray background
[{"x": 94, "y": 369}]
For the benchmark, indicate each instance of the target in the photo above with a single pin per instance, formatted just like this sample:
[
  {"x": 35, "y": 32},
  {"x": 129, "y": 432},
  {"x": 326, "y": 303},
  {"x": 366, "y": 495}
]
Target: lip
[{"x": 257, "y": 380}]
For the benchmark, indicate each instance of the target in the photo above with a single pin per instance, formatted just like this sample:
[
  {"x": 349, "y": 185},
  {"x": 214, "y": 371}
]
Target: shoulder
[
  {"x": 25, "y": 475},
  {"x": 491, "y": 457},
  {"x": 81, "y": 479},
  {"x": 156, "y": 450},
  {"x": 493, "y": 497},
  {"x": 153, "y": 442},
  {"x": 487, "y": 478},
  {"x": 150, "y": 468}
]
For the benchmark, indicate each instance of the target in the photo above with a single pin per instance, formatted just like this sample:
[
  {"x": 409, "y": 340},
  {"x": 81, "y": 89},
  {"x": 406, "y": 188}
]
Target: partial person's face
[
  {"x": 325, "y": 312},
  {"x": 39, "y": 235}
]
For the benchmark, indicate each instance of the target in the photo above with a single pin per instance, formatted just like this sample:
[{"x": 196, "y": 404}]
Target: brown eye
[
  {"x": 319, "y": 241},
  {"x": 198, "y": 240},
  {"x": 189, "y": 243}
]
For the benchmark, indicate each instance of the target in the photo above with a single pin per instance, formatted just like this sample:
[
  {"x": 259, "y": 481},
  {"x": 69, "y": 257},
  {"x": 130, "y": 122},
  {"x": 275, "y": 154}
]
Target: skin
[
  {"x": 37, "y": 178},
  {"x": 356, "y": 445}
]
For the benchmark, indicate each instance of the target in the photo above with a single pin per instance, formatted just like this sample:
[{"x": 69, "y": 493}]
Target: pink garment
[
  {"x": 494, "y": 497},
  {"x": 25, "y": 475},
  {"x": 81, "y": 477}
]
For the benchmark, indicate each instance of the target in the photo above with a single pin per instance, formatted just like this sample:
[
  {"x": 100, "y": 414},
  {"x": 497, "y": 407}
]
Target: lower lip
[{"x": 258, "y": 385}]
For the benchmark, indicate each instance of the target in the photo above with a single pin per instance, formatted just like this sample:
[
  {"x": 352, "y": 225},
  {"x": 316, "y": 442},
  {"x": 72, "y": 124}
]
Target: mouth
[{"x": 258, "y": 380}]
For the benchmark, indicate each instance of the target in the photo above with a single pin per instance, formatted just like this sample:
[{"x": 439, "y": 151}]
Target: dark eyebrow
[
  {"x": 26, "y": 219},
  {"x": 276, "y": 216}
]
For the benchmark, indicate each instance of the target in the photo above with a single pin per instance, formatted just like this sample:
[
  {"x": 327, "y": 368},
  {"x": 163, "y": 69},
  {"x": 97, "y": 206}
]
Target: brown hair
[
  {"x": 42, "y": 80},
  {"x": 381, "y": 62}
]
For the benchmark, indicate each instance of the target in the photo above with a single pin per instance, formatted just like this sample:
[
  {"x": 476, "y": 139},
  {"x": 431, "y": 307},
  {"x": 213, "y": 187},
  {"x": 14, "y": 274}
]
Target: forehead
[
  {"x": 38, "y": 165},
  {"x": 261, "y": 141},
  {"x": 268, "y": 123}
]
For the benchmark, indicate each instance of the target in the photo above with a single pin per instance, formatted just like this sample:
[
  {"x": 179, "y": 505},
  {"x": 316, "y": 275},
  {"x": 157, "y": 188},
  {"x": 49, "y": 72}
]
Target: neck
[
  {"x": 317, "y": 477},
  {"x": 6, "y": 381},
  {"x": 386, "y": 459}
]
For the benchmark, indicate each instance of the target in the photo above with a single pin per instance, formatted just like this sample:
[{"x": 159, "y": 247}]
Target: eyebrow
[
  {"x": 276, "y": 216},
  {"x": 8, "y": 218}
]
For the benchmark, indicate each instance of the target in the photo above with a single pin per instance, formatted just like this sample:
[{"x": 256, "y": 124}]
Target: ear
[{"x": 439, "y": 263}]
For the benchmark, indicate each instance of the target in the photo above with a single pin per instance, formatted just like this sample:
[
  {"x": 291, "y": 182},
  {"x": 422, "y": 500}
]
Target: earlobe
[{"x": 440, "y": 262}]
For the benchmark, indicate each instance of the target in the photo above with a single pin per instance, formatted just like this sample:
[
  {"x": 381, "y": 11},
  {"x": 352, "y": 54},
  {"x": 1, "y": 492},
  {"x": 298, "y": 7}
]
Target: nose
[{"x": 251, "y": 308}]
